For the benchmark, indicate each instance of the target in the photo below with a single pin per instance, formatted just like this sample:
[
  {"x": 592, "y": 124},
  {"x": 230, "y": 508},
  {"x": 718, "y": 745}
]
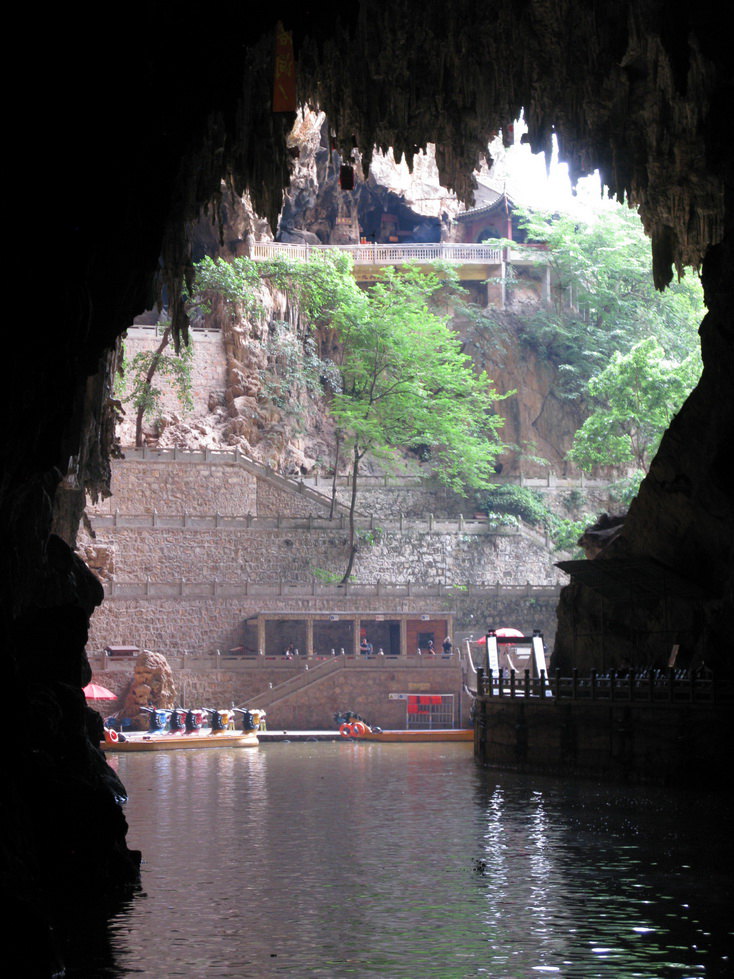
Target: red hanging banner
[{"x": 284, "y": 82}]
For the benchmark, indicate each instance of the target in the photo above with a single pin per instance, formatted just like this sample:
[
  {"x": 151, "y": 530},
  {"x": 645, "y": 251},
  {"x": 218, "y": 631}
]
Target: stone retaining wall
[
  {"x": 168, "y": 626},
  {"x": 243, "y": 554},
  {"x": 195, "y": 484},
  {"x": 455, "y": 559},
  {"x": 204, "y": 488},
  {"x": 239, "y": 551},
  {"x": 383, "y": 498},
  {"x": 416, "y": 500},
  {"x": 273, "y": 500},
  {"x": 229, "y": 555}
]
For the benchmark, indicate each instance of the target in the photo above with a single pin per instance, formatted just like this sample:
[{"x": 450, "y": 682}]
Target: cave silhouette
[{"x": 124, "y": 130}]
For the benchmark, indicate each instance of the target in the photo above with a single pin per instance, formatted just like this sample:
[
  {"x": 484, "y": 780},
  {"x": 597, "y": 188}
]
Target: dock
[
  {"x": 277, "y": 735},
  {"x": 377, "y": 735}
]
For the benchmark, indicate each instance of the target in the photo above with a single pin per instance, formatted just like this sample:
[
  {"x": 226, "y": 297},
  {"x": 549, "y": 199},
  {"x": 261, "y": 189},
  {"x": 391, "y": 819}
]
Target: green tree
[
  {"x": 634, "y": 399},
  {"x": 405, "y": 383},
  {"x": 393, "y": 373}
]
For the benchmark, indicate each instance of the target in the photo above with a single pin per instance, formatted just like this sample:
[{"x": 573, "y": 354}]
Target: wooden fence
[{"x": 648, "y": 686}]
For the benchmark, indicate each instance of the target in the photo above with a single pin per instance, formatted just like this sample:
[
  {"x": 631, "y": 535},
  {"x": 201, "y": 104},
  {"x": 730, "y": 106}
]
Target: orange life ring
[
  {"x": 111, "y": 736},
  {"x": 358, "y": 729},
  {"x": 346, "y": 730}
]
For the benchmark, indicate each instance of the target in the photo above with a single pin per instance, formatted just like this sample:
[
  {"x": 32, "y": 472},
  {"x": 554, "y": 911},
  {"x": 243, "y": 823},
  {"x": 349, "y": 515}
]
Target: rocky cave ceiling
[
  {"x": 138, "y": 124},
  {"x": 150, "y": 116}
]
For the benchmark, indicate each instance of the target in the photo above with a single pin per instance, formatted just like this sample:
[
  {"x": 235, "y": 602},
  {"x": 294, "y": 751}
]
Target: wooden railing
[
  {"x": 464, "y": 254},
  {"x": 648, "y": 686}
]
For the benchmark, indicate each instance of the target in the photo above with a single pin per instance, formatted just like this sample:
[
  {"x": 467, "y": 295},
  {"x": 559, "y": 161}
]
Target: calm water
[{"x": 405, "y": 861}]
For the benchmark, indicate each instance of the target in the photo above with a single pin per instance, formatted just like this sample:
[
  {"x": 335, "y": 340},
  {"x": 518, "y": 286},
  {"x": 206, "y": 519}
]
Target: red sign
[{"x": 284, "y": 83}]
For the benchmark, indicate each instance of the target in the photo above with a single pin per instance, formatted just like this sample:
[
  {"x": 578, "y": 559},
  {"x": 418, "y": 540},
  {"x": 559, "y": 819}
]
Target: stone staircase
[{"x": 312, "y": 674}]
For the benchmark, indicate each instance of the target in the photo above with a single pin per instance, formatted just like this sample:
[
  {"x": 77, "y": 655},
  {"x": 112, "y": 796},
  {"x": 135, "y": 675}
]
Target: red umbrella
[{"x": 95, "y": 691}]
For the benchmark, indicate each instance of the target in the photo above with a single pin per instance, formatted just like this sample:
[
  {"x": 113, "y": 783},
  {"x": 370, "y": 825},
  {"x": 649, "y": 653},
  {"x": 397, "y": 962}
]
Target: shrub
[{"x": 518, "y": 501}]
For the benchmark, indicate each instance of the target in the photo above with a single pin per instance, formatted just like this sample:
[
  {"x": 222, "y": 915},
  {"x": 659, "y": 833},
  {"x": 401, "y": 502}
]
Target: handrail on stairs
[{"x": 311, "y": 674}]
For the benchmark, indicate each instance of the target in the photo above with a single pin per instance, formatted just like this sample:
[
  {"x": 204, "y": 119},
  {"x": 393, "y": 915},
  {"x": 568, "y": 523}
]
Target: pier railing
[{"x": 647, "y": 686}]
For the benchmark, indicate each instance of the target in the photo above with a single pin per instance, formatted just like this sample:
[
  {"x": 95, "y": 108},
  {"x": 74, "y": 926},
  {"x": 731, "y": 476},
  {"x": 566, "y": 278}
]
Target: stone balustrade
[
  {"x": 388, "y": 254},
  {"x": 228, "y": 456},
  {"x": 193, "y": 521},
  {"x": 181, "y": 588}
]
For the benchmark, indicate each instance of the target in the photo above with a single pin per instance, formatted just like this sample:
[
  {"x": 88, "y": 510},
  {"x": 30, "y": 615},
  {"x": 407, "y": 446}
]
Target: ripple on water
[{"x": 399, "y": 861}]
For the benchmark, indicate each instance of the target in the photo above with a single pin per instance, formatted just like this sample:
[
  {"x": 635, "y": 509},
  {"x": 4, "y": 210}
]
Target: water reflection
[
  {"x": 625, "y": 880},
  {"x": 401, "y": 861}
]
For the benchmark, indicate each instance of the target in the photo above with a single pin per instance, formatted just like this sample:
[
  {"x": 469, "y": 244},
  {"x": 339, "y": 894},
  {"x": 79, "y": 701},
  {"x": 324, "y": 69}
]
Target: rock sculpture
[{"x": 152, "y": 686}]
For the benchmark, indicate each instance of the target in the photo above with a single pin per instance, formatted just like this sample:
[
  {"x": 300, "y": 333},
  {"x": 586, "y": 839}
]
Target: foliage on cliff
[
  {"x": 387, "y": 362},
  {"x": 391, "y": 370},
  {"x": 315, "y": 289},
  {"x": 507, "y": 504},
  {"x": 605, "y": 300}
]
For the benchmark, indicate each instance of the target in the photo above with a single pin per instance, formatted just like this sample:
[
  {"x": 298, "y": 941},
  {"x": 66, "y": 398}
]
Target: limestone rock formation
[
  {"x": 600, "y": 534},
  {"x": 538, "y": 423},
  {"x": 151, "y": 686}
]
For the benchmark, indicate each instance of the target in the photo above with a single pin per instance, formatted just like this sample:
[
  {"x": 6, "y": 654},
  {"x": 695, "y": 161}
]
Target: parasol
[{"x": 95, "y": 691}]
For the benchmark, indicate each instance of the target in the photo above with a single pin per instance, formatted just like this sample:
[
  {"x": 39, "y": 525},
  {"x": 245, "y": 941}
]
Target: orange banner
[{"x": 284, "y": 83}]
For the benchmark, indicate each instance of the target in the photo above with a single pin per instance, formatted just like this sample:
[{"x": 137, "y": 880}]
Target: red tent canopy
[{"x": 507, "y": 632}]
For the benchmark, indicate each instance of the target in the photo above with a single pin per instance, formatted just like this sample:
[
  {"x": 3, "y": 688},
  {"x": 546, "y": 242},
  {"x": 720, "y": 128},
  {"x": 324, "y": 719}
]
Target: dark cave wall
[
  {"x": 135, "y": 127},
  {"x": 682, "y": 518}
]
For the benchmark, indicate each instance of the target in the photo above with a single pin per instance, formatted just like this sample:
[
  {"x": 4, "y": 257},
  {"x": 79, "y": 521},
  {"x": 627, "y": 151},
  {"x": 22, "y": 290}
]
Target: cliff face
[
  {"x": 538, "y": 423},
  {"x": 119, "y": 163},
  {"x": 296, "y": 437}
]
